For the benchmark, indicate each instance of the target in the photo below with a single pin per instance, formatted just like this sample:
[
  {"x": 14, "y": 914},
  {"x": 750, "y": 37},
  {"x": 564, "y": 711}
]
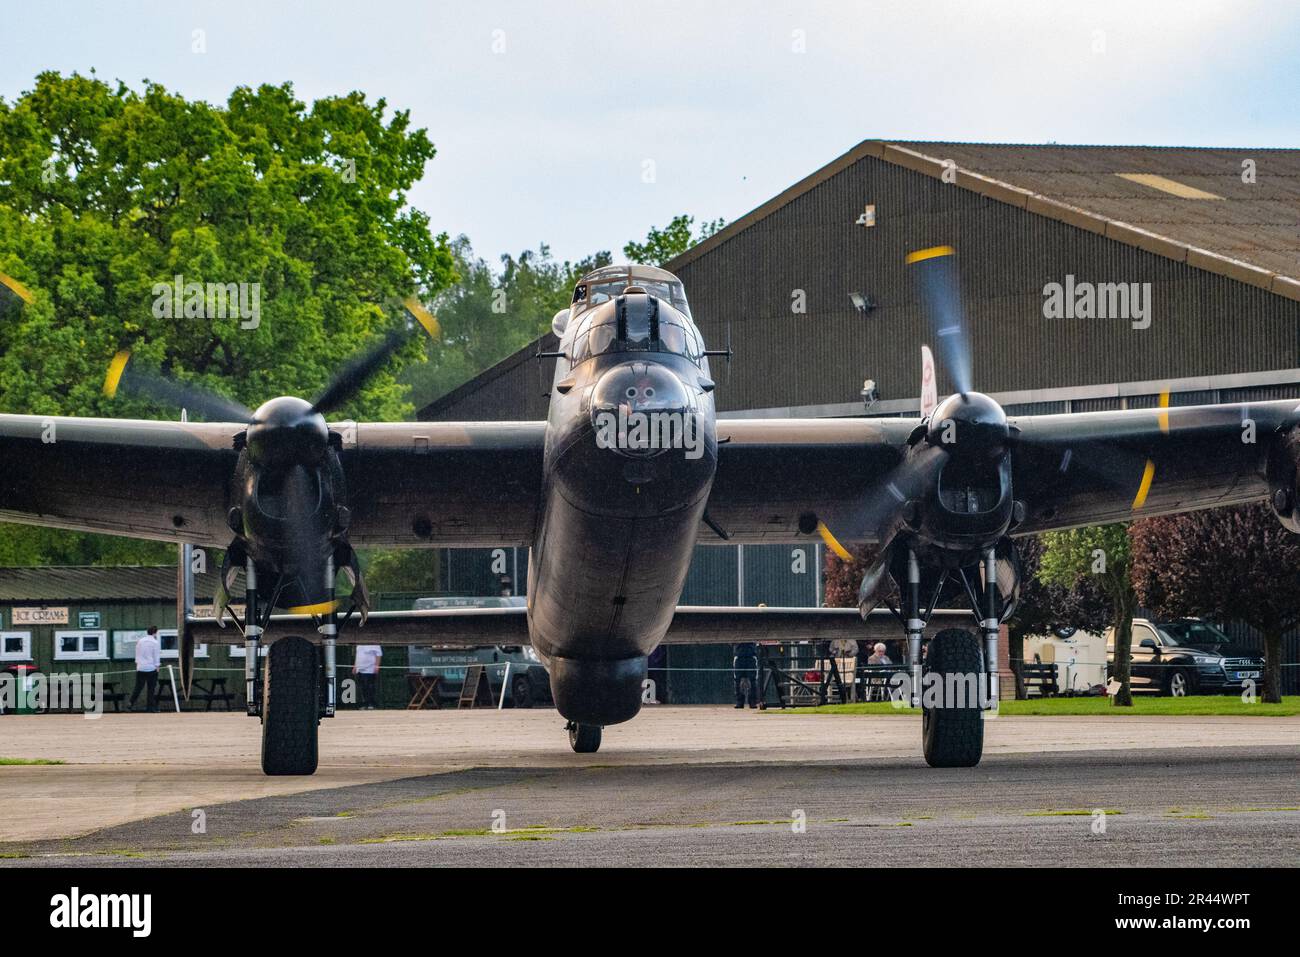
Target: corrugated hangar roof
[
  {"x": 95, "y": 583},
  {"x": 1190, "y": 204}
]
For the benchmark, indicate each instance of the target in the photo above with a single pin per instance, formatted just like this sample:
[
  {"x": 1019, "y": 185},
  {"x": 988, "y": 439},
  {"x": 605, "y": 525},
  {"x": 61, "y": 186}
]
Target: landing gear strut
[
  {"x": 296, "y": 687},
  {"x": 958, "y": 679},
  {"x": 584, "y": 738}
]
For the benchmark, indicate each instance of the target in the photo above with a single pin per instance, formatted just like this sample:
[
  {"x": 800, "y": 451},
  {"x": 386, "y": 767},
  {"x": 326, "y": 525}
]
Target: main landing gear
[
  {"x": 297, "y": 685},
  {"x": 957, "y": 679},
  {"x": 584, "y": 738}
]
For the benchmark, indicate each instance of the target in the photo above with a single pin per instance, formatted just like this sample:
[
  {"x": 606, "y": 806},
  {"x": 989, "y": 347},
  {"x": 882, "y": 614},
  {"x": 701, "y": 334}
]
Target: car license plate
[{"x": 1247, "y": 674}]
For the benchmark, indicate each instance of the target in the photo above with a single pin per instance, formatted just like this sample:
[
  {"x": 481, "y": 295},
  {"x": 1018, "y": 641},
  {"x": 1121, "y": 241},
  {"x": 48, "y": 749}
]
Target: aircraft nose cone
[
  {"x": 642, "y": 408},
  {"x": 287, "y": 432},
  {"x": 640, "y": 386}
]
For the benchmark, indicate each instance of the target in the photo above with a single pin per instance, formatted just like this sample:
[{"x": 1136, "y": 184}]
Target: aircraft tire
[
  {"x": 584, "y": 738},
  {"x": 290, "y": 707},
  {"x": 953, "y": 737}
]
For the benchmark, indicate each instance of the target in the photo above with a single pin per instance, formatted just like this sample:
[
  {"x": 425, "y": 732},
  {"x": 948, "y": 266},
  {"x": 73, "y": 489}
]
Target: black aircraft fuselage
[{"x": 630, "y": 457}]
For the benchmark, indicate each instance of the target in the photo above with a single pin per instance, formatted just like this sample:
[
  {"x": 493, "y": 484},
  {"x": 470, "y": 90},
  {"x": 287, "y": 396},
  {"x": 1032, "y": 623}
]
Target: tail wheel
[
  {"x": 584, "y": 738},
  {"x": 290, "y": 707},
  {"x": 521, "y": 692},
  {"x": 952, "y": 736}
]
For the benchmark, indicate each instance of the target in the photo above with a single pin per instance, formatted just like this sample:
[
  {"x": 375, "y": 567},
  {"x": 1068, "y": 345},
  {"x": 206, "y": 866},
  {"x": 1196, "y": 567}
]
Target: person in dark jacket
[{"x": 744, "y": 672}]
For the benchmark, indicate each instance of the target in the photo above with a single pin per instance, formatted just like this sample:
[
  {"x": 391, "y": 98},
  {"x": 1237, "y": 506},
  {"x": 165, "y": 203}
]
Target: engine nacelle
[
  {"x": 971, "y": 502},
  {"x": 1284, "y": 480}
]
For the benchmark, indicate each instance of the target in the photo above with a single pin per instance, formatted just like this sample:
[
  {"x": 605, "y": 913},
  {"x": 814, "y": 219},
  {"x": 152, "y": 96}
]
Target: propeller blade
[
  {"x": 871, "y": 517},
  {"x": 357, "y": 372},
  {"x": 195, "y": 399},
  {"x": 937, "y": 280},
  {"x": 354, "y": 375}
]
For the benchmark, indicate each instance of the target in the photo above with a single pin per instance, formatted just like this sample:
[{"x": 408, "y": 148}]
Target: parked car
[
  {"x": 529, "y": 684},
  {"x": 1186, "y": 656}
]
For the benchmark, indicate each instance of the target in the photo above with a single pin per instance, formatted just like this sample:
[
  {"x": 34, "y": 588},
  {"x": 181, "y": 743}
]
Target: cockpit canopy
[
  {"x": 603, "y": 284},
  {"x": 654, "y": 316}
]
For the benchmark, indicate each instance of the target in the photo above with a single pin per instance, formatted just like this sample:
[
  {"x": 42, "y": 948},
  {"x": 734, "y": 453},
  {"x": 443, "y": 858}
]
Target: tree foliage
[
  {"x": 106, "y": 191},
  {"x": 487, "y": 316},
  {"x": 841, "y": 580},
  {"x": 1101, "y": 551},
  {"x": 1223, "y": 563},
  {"x": 1045, "y": 606},
  {"x": 662, "y": 245}
]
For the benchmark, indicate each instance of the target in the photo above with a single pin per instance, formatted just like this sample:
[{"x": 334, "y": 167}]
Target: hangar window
[
  {"x": 15, "y": 646},
  {"x": 168, "y": 644},
  {"x": 80, "y": 645}
]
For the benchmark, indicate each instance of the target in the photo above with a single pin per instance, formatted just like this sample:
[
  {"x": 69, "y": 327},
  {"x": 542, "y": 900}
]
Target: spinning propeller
[
  {"x": 295, "y": 509},
  {"x": 972, "y": 429}
]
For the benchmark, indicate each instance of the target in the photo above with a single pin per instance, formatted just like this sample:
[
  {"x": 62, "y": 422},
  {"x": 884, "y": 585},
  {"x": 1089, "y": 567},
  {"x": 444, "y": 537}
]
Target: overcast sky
[{"x": 549, "y": 117}]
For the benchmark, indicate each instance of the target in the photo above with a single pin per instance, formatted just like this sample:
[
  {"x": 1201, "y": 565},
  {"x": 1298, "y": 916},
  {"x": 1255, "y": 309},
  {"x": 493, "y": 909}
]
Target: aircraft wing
[
  {"x": 412, "y": 483},
  {"x": 1096, "y": 467},
  {"x": 773, "y": 471},
  {"x": 692, "y": 625},
  {"x": 1069, "y": 470}
]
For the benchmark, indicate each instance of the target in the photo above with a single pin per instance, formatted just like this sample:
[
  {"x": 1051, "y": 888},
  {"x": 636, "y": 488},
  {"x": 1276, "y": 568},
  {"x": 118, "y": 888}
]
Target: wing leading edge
[
  {"x": 1070, "y": 470},
  {"x": 410, "y": 483}
]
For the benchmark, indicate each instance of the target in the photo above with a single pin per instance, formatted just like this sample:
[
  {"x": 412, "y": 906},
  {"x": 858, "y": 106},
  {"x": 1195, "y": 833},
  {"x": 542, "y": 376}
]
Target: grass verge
[{"x": 1191, "y": 706}]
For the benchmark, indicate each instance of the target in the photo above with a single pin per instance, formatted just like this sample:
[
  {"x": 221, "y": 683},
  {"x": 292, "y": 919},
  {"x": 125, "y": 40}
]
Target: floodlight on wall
[
  {"x": 869, "y": 394},
  {"x": 862, "y": 302}
]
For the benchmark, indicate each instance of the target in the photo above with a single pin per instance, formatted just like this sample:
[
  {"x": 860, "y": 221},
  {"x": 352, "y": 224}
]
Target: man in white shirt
[
  {"x": 148, "y": 652},
  {"x": 366, "y": 667}
]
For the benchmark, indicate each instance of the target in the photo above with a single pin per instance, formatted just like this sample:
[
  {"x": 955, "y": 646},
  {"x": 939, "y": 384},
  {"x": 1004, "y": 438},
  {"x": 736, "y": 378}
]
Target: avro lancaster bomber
[{"x": 611, "y": 493}]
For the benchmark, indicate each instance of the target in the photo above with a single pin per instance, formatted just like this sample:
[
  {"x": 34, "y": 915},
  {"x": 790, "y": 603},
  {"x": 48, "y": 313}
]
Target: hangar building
[{"x": 811, "y": 287}]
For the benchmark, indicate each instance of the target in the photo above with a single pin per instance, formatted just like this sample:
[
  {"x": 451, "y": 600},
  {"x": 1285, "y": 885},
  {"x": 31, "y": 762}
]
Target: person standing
[
  {"x": 366, "y": 667},
  {"x": 148, "y": 654},
  {"x": 744, "y": 672}
]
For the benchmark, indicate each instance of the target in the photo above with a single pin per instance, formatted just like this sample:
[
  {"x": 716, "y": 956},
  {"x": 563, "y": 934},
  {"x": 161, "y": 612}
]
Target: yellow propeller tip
[
  {"x": 323, "y": 608},
  {"x": 1148, "y": 474},
  {"x": 424, "y": 317},
  {"x": 833, "y": 543},
  {"x": 17, "y": 288},
  {"x": 934, "y": 252},
  {"x": 115, "y": 370}
]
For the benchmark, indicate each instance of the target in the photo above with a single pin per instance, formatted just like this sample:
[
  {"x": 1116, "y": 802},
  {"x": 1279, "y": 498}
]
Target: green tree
[
  {"x": 488, "y": 315},
  {"x": 401, "y": 569},
  {"x": 1102, "y": 551},
  {"x": 1044, "y": 607},
  {"x": 106, "y": 192},
  {"x": 1223, "y": 563},
  {"x": 662, "y": 245}
]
